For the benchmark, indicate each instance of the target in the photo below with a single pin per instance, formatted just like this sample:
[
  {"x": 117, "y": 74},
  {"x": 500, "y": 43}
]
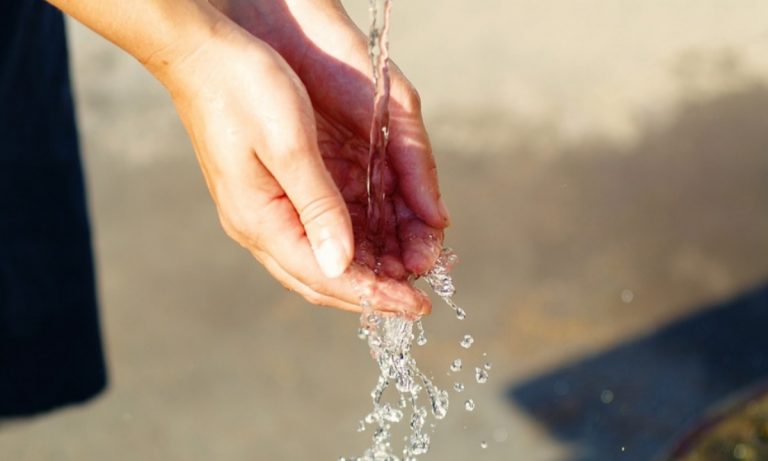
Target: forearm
[{"x": 155, "y": 32}]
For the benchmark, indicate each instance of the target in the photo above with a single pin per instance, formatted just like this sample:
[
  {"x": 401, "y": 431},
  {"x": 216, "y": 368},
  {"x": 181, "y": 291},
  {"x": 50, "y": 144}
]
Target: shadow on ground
[
  {"x": 698, "y": 182},
  {"x": 628, "y": 402}
]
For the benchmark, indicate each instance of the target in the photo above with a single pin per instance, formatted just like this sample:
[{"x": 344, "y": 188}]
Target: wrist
[{"x": 182, "y": 38}]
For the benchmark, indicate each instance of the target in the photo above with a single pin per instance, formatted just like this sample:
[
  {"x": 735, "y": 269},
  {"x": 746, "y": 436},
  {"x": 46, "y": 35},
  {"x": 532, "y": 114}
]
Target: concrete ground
[{"x": 606, "y": 164}]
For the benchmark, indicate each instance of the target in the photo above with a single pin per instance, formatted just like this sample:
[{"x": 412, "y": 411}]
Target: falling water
[
  {"x": 391, "y": 337},
  {"x": 378, "y": 50}
]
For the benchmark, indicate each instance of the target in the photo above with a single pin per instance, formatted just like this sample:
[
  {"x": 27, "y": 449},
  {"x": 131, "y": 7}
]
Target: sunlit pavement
[{"x": 606, "y": 170}]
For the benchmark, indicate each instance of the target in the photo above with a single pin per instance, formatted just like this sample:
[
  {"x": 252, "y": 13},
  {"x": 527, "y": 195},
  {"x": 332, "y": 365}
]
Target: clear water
[
  {"x": 481, "y": 375},
  {"x": 378, "y": 50},
  {"x": 390, "y": 338}
]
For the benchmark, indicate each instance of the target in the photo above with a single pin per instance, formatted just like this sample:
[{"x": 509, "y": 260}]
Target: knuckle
[
  {"x": 286, "y": 155},
  {"x": 316, "y": 210},
  {"x": 287, "y": 150},
  {"x": 242, "y": 228},
  {"x": 230, "y": 227}
]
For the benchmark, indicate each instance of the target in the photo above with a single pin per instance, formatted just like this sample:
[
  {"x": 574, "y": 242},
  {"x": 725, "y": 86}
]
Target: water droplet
[
  {"x": 483, "y": 444},
  {"x": 458, "y": 387},
  {"x": 456, "y": 365},
  {"x": 606, "y": 396},
  {"x": 481, "y": 376},
  {"x": 363, "y": 333},
  {"x": 467, "y": 341},
  {"x": 361, "y": 426},
  {"x": 419, "y": 444},
  {"x": 440, "y": 405},
  {"x": 390, "y": 414},
  {"x": 469, "y": 405},
  {"x": 374, "y": 319},
  {"x": 627, "y": 296},
  {"x": 460, "y": 313},
  {"x": 488, "y": 366},
  {"x": 421, "y": 338}
]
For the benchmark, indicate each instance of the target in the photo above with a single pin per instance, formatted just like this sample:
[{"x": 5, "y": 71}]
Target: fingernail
[
  {"x": 443, "y": 210},
  {"x": 331, "y": 257}
]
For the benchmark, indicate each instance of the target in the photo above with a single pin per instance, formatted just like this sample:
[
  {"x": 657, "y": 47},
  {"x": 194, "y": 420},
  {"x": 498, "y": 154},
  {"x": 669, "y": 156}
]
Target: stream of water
[{"x": 390, "y": 338}]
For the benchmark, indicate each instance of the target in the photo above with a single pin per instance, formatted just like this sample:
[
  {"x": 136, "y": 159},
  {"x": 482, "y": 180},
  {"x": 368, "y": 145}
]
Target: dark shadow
[{"x": 632, "y": 401}]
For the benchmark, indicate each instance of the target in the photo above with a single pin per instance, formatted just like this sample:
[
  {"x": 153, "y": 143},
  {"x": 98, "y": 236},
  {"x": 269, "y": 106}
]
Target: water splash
[
  {"x": 440, "y": 281},
  {"x": 481, "y": 375},
  {"x": 421, "y": 339},
  {"x": 390, "y": 337}
]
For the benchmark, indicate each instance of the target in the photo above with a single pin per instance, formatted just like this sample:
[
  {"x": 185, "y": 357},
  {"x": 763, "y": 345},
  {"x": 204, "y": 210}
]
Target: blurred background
[{"x": 606, "y": 164}]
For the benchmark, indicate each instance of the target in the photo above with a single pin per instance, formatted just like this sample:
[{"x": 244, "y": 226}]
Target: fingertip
[
  {"x": 332, "y": 257},
  {"x": 425, "y": 307},
  {"x": 328, "y": 228},
  {"x": 420, "y": 243},
  {"x": 392, "y": 267},
  {"x": 429, "y": 208},
  {"x": 443, "y": 212},
  {"x": 420, "y": 256}
]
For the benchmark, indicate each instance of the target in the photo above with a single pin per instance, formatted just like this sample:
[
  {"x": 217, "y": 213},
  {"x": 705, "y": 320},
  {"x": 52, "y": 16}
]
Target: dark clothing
[{"x": 50, "y": 347}]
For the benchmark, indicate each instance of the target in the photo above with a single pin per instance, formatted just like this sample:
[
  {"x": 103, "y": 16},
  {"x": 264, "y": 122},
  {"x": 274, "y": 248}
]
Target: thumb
[
  {"x": 324, "y": 215},
  {"x": 319, "y": 205},
  {"x": 289, "y": 150}
]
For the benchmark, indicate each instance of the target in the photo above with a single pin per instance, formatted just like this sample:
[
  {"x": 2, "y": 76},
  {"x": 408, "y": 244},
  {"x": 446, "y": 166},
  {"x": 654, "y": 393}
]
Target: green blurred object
[{"x": 738, "y": 431}]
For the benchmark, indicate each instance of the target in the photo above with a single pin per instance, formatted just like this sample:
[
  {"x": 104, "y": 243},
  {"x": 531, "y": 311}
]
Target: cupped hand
[{"x": 279, "y": 120}]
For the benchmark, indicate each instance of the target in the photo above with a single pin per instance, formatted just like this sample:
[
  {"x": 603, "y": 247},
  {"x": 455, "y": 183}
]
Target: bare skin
[{"x": 277, "y": 102}]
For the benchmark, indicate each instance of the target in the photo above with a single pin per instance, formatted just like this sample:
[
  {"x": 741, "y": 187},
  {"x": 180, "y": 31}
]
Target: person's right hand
[{"x": 253, "y": 128}]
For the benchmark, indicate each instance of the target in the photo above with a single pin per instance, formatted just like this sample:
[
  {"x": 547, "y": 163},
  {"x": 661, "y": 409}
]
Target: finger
[
  {"x": 345, "y": 92},
  {"x": 293, "y": 253},
  {"x": 288, "y": 149},
  {"x": 294, "y": 284},
  {"x": 265, "y": 221},
  {"x": 410, "y": 155},
  {"x": 421, "y": 243}
]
